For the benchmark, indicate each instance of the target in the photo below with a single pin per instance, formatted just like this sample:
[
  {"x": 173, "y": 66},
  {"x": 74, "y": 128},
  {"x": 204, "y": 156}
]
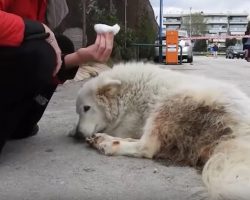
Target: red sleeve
[{"x": 11, "y": 29}]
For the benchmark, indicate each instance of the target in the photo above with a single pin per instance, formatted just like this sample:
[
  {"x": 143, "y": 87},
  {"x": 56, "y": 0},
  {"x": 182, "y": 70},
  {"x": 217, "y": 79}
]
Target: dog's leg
[{"x": 145, "y": 147}]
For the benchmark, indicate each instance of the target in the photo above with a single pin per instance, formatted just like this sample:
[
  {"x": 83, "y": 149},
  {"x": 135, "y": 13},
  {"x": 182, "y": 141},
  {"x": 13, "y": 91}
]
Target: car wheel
[{"x": 156, "y": 59}]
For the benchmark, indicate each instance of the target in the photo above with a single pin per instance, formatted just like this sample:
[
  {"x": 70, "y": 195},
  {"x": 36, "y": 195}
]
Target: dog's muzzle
[{"x": 78, "y": 135}]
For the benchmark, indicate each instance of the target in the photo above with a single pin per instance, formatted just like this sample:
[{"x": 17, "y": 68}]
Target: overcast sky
[{"x": 207, "y": 6}]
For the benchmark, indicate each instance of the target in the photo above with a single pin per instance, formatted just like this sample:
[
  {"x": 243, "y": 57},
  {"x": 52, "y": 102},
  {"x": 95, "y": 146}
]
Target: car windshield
[
  {"x": 238, "y": 48},
  {"x": 182, "y": 34}
]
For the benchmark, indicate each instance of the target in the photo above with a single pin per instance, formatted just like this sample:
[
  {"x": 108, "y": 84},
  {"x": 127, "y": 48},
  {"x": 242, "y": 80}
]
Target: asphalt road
[{"x": 53, "y": 166}]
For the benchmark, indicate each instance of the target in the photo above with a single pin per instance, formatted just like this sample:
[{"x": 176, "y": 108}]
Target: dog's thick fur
[{"x": 145, "y": 111}]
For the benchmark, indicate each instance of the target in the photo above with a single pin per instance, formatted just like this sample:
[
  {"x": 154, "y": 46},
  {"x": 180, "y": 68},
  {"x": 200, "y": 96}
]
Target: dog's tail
[{"x": 227, "y": 172}]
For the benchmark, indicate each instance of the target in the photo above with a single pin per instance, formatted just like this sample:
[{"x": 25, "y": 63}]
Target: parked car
[
  {"x": 235, "y": 52},
  {"x": 187, "y": 49}
]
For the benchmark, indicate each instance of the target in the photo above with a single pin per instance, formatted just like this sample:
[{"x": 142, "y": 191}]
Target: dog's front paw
[{"x": 104, "y": 143}]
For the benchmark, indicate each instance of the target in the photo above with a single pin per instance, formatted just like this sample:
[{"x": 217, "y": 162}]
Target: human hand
[
  {"x": 52, "y": 41},
  {"x": 100, "y": 51}
]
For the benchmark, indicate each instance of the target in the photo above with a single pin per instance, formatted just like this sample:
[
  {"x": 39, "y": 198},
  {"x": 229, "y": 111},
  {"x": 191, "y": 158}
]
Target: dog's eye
[{"x": 86, "y": 108}]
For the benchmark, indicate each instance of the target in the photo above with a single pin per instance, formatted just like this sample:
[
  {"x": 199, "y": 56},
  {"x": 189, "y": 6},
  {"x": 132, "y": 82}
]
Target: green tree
[
  {"x": 145, "y": 35},
  {"x": 108, "y": 15},
  {"x": 198, "y": 25}
]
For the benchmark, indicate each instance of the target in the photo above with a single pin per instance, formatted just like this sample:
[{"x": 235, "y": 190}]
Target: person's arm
[
  {"x": 100, "y": 51},
  {"x": 11, "y": 29},
  {"x": 14, "y": 30}
]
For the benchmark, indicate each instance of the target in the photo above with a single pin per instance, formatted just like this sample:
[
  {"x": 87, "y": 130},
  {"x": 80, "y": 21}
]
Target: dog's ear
[{"x": 109, "y": 87}]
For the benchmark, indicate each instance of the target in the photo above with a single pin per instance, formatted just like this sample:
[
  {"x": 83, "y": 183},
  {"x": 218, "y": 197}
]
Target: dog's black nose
[{"x": 79, "y": 135}]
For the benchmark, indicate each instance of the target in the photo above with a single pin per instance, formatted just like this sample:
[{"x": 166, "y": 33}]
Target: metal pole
[
  {"x": 84, "y": 34},
  {"x": 110, "y": 6},
  {"x": 190, "y": 23},
  {"x": 125, "y": 23},
  {"x": 160, "y": 32}
]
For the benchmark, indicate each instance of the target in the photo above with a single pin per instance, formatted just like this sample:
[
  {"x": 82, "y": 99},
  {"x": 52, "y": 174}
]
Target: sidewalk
[{"x": 55, "y": 167}]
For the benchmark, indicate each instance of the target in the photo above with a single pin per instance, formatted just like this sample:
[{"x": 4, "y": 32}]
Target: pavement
[{"x": 53, "y": 166}]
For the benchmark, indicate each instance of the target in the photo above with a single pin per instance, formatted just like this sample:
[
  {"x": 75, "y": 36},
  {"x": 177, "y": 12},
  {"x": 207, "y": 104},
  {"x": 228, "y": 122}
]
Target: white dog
[{"x": 145, "y": 111}]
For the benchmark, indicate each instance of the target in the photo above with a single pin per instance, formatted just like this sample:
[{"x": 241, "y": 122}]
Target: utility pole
[
  {"x": 125, "y": 22},
  {"x": 110, "y": 6},
  {"x": 84, "y": 34},
  {"x": 190, "y": 23},
  {"x": 160, "y": 32}
]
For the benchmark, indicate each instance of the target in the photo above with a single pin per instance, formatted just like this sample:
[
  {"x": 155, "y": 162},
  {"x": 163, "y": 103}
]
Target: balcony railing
[
  {"x": 216, "y": 21},
  {"x": 237, "y": 29},
  {"x": 239, "y": 21},
  {"x": 171, "y": 22},
  {"x": 217, "y": 30}
]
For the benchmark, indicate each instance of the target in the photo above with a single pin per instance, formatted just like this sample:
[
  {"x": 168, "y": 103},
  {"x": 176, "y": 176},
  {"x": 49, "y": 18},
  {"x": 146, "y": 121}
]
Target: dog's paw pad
[
  {"x": 106, "y": 149},
  {"x": 115, "y": 143},
  {"x": 104, "y": 143},
  {"x": 99, "y": 137},
  {"x": 90, "y": 140},
  {"x": 96, "y": 139}
]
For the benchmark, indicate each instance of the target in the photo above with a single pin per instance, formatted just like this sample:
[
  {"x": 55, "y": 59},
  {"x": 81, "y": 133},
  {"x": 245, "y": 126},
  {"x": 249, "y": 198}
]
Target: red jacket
[{"x": 12, "y": 15}]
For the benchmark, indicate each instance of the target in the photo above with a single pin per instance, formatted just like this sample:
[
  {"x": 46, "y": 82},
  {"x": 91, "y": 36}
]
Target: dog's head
[{"x": 97, "y": 105}]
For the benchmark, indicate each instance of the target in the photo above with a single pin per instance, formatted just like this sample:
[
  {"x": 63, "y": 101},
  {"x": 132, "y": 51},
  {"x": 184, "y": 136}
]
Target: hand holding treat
[{"x": 101, "y": 50}]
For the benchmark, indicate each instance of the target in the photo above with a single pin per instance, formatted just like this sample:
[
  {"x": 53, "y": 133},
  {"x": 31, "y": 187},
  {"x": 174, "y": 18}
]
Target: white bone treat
[{"x": 103, "y": 28}]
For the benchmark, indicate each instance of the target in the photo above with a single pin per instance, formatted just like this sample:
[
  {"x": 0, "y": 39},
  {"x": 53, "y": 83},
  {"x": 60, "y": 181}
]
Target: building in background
[
  {"x": 172, "y": 21},
  {"x": 237, "y": 24},
  {"x": 215, "y": 23}
]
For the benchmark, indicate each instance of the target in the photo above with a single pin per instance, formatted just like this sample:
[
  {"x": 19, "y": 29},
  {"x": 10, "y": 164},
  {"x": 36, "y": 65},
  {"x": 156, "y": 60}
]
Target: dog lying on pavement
[{"x": 140, "y": 110}]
